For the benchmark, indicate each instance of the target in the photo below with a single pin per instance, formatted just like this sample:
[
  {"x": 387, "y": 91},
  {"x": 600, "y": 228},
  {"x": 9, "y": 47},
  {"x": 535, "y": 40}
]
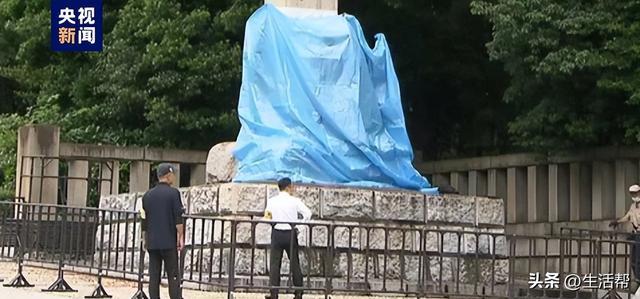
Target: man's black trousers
[
  {"x": 284, "y": 240},
  {"x": 170, "y": 259}
]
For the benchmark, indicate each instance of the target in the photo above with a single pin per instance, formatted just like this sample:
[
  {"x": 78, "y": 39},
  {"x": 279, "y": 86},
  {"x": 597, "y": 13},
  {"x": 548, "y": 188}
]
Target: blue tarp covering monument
[{"x": 319, "y": 106}]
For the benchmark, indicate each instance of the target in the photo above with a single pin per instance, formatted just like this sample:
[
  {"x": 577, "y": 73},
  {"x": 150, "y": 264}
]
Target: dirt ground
[{"x": 119, "y": 289}]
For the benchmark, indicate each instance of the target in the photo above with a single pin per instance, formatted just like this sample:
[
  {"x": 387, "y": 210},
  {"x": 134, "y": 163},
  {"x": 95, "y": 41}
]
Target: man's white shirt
[{"x": 285, "y": 208}]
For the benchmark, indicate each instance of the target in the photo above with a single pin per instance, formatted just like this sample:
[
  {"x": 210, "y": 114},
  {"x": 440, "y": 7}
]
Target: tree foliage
[
  {"x": 477, "y": 76},
  {"x": 574, "y": 69},
  {"x": 452, "y": 92},
  {"x": 169, "y": 74},
  {"x": 169, "y": 69}
]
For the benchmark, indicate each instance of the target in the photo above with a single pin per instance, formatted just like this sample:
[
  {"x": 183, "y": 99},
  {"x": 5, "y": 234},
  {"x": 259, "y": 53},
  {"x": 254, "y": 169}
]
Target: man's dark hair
[{"x": 284, "y": 183}]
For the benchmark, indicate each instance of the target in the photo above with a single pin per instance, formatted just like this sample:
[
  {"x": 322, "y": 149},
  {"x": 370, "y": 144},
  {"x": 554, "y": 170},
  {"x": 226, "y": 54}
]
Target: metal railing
[
  {"x": 598, "y": 261},
  {"x": 231, "y": 253}
]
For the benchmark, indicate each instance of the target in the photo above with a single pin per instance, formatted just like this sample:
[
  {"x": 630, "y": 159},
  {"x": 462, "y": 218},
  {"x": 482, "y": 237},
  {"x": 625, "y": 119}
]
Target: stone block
[
  {"x": 203, "y": 200},
  {"x": 227, "y": 203},
  {"x": 468, "y": 270},
  {"x": 454, "y": 209},
  {"x": 318, "y": 236},
  {"x": 251, "y": 198},
  {"x": 185, "y": 197},
  {"x": 488, "y": 241},
  {"x": 445, "y": 269},
  {"x": 396, "y": 205},
  {"x": 397, "y": 267},
  {"x": 490, "y": 210},
  {"x": 200, "y": 231},
  {"x": 347, "y": 204},
  {"x": 120, "y": 202},
  {"x": 394, "y": 242},
  {"x": 221, "y": 165},
  {"x": 359, "y": 264},
  {"x": 118, "y": 235},
  {"x": 272, "y": 190},
  {"x": 242, "y": 198},
  {"x": 482, "y": 271},
  {"x": 310, "y": 196}
]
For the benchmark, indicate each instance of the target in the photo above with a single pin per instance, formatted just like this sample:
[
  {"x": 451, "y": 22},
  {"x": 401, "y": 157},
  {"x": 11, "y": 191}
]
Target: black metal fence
[
  {"x": 231, "y": 253},
  {"x": 579, "y": 263}
]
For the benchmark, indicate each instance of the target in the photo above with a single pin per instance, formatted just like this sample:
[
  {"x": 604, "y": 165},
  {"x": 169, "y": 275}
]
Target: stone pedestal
[
  {"x": 221, "y": 166},
  {"x": 371, "y": 229}
]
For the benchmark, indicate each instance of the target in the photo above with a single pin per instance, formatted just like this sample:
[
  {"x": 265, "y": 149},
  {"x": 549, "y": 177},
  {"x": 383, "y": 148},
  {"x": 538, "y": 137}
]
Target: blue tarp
[{"x": 319, "y": 106}]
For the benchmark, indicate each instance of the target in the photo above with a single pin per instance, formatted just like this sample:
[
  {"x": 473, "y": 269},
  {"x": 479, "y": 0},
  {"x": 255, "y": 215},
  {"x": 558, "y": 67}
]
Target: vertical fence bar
[
  {"x": 110, "y": 241},
  {"x": 511, "y": 276},
  {"x": 440, "y": 252},
  {"x": 402, "y": 271},
  {"x": 221, "y": 248},
  {"x": 349, "y": 258},
  {"x": 561, "y": 266},
  {"x": 366, "y": 260},
  {"x": 126, "y": 242},
  {"x": 384, "y": 262},
  {"x": 477, "y": 265},
  {"x": 134, "y": 220},
  {"x": 232, "y": 250},
  {"x": 101, "y": 254},
  {"x": 458, "y": 261},
  {"x": 309, "y": 253},
  {"x": 211, "y": 248},
  {"x": 193, "y": 243},
  {"x": 3, "y": 228},
  {"x": 493, "y": 264},
  {"x": 331, "y": 244},
  {"x": 27, "y": 235},
  {"x": 81, "y": 235},
  {"x": 201, "y": 247},
  {"x": 49, "y": 250},
  {"x": 117, "y": 235}
]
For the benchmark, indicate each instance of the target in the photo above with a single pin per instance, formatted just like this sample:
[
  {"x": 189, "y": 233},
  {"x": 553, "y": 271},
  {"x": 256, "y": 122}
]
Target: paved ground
[{"x": 119, "y": 289}]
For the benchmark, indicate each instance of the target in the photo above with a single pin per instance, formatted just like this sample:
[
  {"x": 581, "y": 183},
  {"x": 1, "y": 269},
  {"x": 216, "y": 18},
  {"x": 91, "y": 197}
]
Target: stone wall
[
  {"x": 361, "y": 219},
  {"x": 331, "y": 203}
]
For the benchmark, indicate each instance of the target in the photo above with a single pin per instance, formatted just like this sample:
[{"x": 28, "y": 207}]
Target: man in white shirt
[{"x": 285, "y": 208}]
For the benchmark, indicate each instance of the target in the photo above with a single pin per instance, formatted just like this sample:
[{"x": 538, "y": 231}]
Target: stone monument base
[{"x": 463, "y": 241}]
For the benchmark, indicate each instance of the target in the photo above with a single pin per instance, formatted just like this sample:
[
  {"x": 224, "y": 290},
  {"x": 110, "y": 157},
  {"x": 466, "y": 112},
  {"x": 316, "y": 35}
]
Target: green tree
[
  {"x": 169, "y": 74},
  {"x": 574, "y": 69},
  {"x": 451, "y": 91},
  {"x": 171, "y": 71}
]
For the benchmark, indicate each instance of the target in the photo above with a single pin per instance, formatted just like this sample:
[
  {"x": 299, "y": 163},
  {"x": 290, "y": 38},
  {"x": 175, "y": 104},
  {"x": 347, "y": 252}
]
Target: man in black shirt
[{"x": 163, "y": 231}]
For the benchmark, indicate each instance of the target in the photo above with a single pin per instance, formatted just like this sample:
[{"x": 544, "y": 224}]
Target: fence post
[
  {"x": 99, "y": 291},
  {"x": 61, "y": 285},
  {"x": 232, "y": 257},
  {"x": 19, "y": 281},
  {"x": 511, "y": 275},
  {"x": 612, "y": 293},
  {"x": 140, "y": 292}
]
